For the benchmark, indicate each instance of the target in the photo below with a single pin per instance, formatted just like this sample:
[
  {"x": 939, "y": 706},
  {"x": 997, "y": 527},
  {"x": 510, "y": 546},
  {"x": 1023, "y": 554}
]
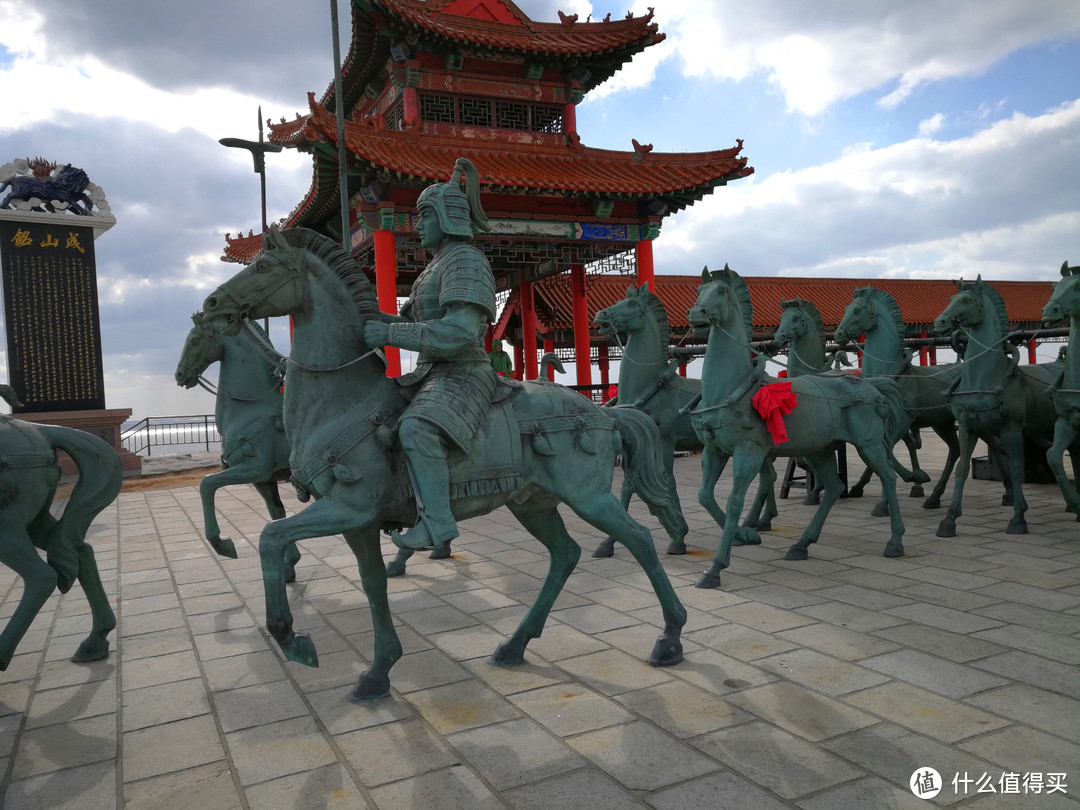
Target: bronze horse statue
[
  {"x": 1064, "y": 305},
  {"x": 875, "y": 314},
  {"x": 648, "y": 381},
  {"x": 29, "y": 474},
  {"x": 863, "y": 413},
  {"x": 996, "y": 399},
  {"x": 540, "y": 446}
]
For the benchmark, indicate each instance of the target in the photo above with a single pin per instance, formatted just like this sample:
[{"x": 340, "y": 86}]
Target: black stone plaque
[{"x": 51, "y": 316}]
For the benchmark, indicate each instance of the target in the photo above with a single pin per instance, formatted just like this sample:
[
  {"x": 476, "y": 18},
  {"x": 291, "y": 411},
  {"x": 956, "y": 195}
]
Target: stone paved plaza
[{"x": 817, "y": 684}]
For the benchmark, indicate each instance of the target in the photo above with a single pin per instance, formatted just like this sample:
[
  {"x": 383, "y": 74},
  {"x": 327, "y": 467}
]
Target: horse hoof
[
  {"x": 507, "y": 654},
  {"x": 932, "y": 503},
  {"x": 667, "y": 652},
  {"x": 370, "y": 687},
  {"x": 945, "y": 530},
  {"x": 395, "y": 568},
  {"x": 223, "y": 546},
  {"x": 606, "y": 548},
  {"x": 301, "y": 649},
  {"x": 894, "y": 551},
  {"x": 708, "y": 580},
  {"x": 796, "y": 553},
  {"x": 674, "y": 548},
  {"x": 764, "y": 526},
  {"x": 746, "y": 537},
  {"x": 916, "y": 492},
  {"x": 811, "y": 500},
  {"x": 1017, "y": 526},
  {"x": 1006, "y": 500},
  {"x": 881, "y": 510},
  {"x": 855, "y": 492},
  {"x": 93, "y": 648},
  {"x": 440, "y": 553}
]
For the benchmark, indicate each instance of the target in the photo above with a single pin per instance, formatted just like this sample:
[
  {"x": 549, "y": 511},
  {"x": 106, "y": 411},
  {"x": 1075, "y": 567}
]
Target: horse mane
[
  {"x": 742, "y": 297},
  {"x": 658, "y": 311},
  {"x": 809, "y": 308},
  {"x": 996, "y": 301},
  {"x": 878, "y": 296},
  {"x": 341, "y": 262}
]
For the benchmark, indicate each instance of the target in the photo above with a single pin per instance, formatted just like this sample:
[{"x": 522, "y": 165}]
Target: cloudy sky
[{"x": 914, "y": 139}]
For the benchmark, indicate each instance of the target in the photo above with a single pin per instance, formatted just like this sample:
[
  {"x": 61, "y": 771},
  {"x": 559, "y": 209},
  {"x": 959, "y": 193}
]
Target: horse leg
[
  {"x": 1011, "y": 444},
  {"x": 540, "y": 517},
  {"x": 1064, "y": 436},
  {"x": 603, "y": 511},
  {"x": 396, "y": 567},
  {"x": 321, "y": 519},
  {"x": 915, "y": 475},
  {"x": 375, "y": 682},
  {"x": 747, "y": 466},
  {"x": 966, "y": 442},
  {"x": 856, "y": 491},
  {"x": 276, "y": 509},
  {"x": 678, "y": 543},
  {"x": 712, "y": 466},
  {"x": 912, "y": 442},
  {"x": 96, "y": 645},
  {"x": 947, "y": 433},
  {"x": 876, "y": 457},
  {"x": 763, "y": 509},
  {"x": 17, "y": 552},
  {"x": 607, "y": 545},
  {"x": 823, "y": 465},
  {"x": 208, "y": 488}
]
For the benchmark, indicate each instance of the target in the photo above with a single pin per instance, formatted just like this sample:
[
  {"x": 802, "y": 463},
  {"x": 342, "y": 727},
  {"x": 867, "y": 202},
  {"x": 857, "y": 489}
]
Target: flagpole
[{"x": 343, "y": 183}]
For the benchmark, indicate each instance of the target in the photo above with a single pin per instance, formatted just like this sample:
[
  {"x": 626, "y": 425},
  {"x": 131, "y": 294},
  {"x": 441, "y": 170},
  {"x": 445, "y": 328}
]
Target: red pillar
[
  {"x": 604, "y": 365},
  {"x": 1032, "y": 357},
  {"x": 519, "y": 363},
  {"x": 645, "y": 264},
  {"x": 581, "y": 325},
  {"x": 682, "y": 369},
  {"x": 924, "y": 352},
  {"x": 862, "y": 339},
  {"x": 386, "y": 290},
  {"x": 528, "y": 330}
]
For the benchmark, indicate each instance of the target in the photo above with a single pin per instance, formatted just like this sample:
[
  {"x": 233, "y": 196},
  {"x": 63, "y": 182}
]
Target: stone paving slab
[{"x": 816, "y": 684}]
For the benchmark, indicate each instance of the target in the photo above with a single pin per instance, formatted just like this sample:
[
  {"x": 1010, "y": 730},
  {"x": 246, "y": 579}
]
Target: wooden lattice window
[
  {"x": 482, "y": 112},
  {"x": 439, "y": 109},
  {"x": 395, "y": 115},
  {"x": 475, "y": 112}
]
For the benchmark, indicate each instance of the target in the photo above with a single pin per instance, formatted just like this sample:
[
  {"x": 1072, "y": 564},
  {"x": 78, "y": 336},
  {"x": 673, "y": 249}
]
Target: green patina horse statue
[
  {"x": 649, "y": 381},
  {"x": 29, "y": 474},
  {"x": 864, "y": 413},
  {"x": 1064, "y": 305},
  {"x": 541, "y": 444},
  {"x": 996, "y": 400},
  {"x": 875, "y": 314}
]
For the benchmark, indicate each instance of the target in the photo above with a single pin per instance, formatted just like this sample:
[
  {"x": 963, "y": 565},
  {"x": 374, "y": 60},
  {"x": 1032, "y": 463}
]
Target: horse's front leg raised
[
  {"x": 321, "y": 519},
  {"x": 208, "y": 488},
  {"x": 276, "y": 509},
  {"x": 747, "y": 466}
]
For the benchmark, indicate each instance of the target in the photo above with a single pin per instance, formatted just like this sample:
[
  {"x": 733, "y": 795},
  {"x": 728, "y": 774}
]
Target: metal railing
[{"x": 171, "y": 431}]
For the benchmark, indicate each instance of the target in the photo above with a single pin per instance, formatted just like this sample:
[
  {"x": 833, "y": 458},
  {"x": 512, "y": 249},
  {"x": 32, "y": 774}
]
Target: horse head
[
  {"x": 274, "y": 284},
  {"x": 201, "y": 348},
  {"x": 859, "y": 317},
  {"x": 794, "y": 322},
  {"x": 1064, "y": 302},
  {"x": 965, "y": 308},
  {"x": 722, "y": 298}
]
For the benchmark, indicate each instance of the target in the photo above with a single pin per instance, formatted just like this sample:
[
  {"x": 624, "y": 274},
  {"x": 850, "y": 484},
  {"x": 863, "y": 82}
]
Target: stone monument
[{"x": 50, "y": 216}]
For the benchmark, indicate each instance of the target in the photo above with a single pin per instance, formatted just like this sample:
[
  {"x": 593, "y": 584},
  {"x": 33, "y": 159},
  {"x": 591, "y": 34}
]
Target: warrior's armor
[{"x": 455, "y": 378}]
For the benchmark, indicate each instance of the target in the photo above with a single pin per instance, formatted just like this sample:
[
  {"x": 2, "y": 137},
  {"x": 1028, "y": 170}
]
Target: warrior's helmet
[{"x": 459, "y": 211}]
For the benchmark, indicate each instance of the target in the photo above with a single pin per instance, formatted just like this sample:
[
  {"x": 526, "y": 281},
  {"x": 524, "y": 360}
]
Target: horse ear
[
  {"x": 1066, "y": 271},
  {"x": 197, "y": 318},
  {"x": 705, "y": 277},
  {"x": 273, "y": 239}
]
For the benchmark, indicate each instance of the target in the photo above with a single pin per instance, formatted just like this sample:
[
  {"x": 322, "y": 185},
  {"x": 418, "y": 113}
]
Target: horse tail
[
  {"x": 100, "y": 478},
  {"x": 644, "y": 468},
  {"x": 892, "y": 409},
  {"x": 8, "y": 393},
  {"x": 550, "y": 359}
]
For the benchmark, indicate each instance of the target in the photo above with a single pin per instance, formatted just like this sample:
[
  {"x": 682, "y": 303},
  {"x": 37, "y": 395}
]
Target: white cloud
[
  {"x": 817, "y": 54},
  {"x": 1004, "y": 200},
  {"x": 932, "y": 124}
]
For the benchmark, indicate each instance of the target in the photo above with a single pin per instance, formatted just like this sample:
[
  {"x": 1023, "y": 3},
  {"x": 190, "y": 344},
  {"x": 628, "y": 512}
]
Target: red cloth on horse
[{"x": 772, "y": 402}]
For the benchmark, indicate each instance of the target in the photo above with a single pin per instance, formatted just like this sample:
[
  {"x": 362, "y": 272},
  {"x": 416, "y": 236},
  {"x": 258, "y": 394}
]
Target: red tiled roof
[
  {"x": 920, "y": 301},
  {"x": 501, "y": 24},
  {"x": 572, "y": 168}
]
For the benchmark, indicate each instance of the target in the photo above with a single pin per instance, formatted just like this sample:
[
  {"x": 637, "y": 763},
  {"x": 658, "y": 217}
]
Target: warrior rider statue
[{"x": 445, "y": 320}]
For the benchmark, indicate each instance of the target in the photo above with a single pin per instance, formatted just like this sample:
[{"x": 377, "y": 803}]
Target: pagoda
[{"x": 427, "y": 82}]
